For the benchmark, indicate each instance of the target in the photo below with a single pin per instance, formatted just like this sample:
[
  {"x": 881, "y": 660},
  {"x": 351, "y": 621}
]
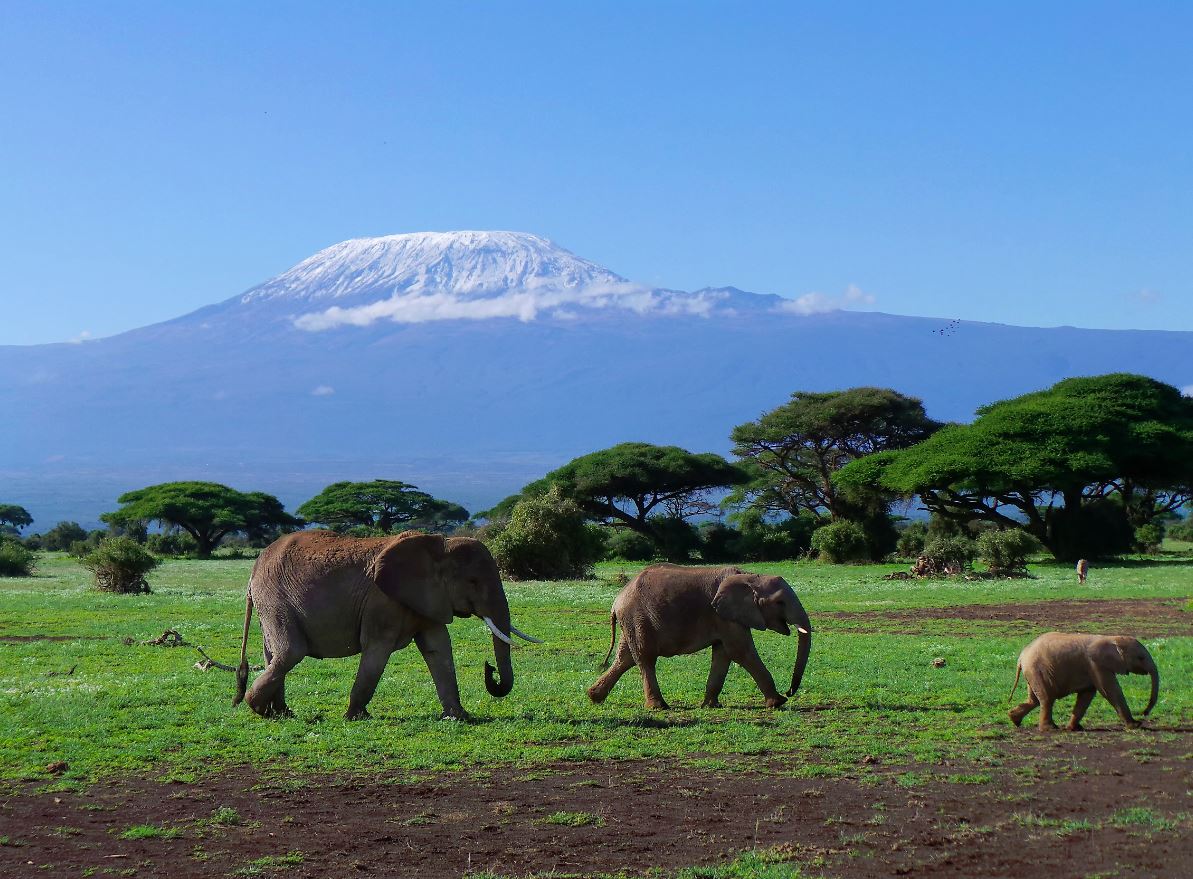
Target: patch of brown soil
[
  {"x": 1142, "y": 617},
  {"x": 648, "y": 815}
]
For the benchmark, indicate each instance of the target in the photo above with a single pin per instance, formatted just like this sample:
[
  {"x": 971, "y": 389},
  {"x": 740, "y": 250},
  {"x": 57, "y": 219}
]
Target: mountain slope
[{"x": 469, "y": 363}]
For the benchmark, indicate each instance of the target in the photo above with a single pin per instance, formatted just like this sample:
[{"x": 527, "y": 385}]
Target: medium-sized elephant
[
  {"x": 668, "y": 610},
  {"x": 323, "y": 595},
  {"x": 1057, "y": 664}
]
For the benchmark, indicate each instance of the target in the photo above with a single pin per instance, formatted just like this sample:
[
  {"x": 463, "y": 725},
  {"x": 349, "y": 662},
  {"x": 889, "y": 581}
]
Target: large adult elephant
[
  {"x": 323, "y": 595},
  {"x": 668, "y": 610}
]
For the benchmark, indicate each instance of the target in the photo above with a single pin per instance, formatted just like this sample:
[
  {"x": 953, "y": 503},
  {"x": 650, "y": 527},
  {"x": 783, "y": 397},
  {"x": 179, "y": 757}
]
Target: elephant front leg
[
  {"x": 716, "y": 676},
  {"x": 1079, "y": 708},
  {"x": 436, "y": 647},
  {"x": 1113, "y": 693},
  {"x": 748, "y": 658},
  {"x": 373, "y": 659}
]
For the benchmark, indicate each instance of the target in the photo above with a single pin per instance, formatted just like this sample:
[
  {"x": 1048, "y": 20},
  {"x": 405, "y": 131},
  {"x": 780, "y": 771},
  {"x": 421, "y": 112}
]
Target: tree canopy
[
  {"x": 632, "y": 483},
  {"x": 384, "y": 505},
  {"x": 14, "y": 516},
  {"x": 207, "y": 511},
  {"x": 794, "y": 450},
  {"x": 1043, "y": 460}
]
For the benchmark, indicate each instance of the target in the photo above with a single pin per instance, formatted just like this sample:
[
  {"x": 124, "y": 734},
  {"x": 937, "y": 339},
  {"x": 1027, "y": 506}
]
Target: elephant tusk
[
  {"x": 497, "y": 633},
  {"x": 802, "y": 630},
  {"x": 514, "y": 630}
]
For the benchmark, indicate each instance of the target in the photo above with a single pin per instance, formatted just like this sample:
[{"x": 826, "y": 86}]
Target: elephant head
[
  {"x": 441, "y": 579},
  {"x": 1124, "y": 655},
  {"x": 763, "y": 602}
]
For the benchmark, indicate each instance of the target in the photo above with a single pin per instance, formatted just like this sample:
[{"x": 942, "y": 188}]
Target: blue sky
[{"x": 1016, "y": 162}]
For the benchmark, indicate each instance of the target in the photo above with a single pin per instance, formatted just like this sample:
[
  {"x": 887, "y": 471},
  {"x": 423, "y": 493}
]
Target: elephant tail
[
  {"x": 612, "y": 640},
  {"x": 1015, "y": 686},
  {"x": 242, "y": 671}
]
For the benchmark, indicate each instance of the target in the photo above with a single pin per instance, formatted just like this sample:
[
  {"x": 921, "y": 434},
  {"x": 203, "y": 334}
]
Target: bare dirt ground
[
  {"x": 1141, "y": 617},
  {"x": 1059, "y": 805}
]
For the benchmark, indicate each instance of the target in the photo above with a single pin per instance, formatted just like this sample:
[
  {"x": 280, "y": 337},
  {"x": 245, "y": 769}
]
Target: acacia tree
[
  {"x": 1060, "y": 463},
  {"x": 794, "y": 450},
  {"x": 630, "y": 484},
  {"x": 384, "y": 505},
  {"x": 207, "y": 511},
  {"x": 14, "y": 517}
]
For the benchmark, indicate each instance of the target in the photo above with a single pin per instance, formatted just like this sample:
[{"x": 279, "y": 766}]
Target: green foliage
[
  {"x": 630, "y": 546},
  {"x": 1181, "y": 530},
  {"x": 841, "y": 542},
  {"x": 951, "y": 552},
  {"x": 207, "y": 511},
  {"x": 120, "y": 565},
  {"x": 676, "y": 538},
  {"x": 1149, "y": 537},
  {"x": 794, "y": 449},
  {"x": 1007, "y": 551},
  {"x": 912, "y": 538},
  {"x": 151, "y": 831},
  {"x": 171, "y": 544},
  {"x": 16, "y": 560},
  {"x": 383, "y": 506},
  {"x": 15, "y": 517},
  {"x": 547, "y": 538},
  {"x": 61, "y": 536},
  {"x": 762, "y": 540},
  {"x": 1084, "y": 440},
  {"x": 1094, "y": 530}
]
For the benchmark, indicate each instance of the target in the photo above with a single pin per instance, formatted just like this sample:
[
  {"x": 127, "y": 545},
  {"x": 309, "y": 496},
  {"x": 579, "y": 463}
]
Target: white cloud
[
  {"x": 81, "y": 337},
  {"x": 817, "y": 303},
  {"x": 524, "y": 305},
  {"x": 1146, "y": 297},
  {"x": 322, "y": 391}
]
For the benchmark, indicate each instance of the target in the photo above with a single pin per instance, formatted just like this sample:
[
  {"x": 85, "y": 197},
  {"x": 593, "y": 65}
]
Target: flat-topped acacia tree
[
  {"x": 207, "y": 511},
  {"x": 1055, "y": 463},
  {"x": 383, "y": 505},
  {"x": 14, "y": 517}
]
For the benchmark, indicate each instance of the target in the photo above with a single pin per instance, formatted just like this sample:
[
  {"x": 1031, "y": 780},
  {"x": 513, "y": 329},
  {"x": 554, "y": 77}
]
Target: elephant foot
[
  {"x": 1016, "y": 716},
  {"x": 596, "y": 695},
  {"x": 1075, "y": 727},
  {"x": 357, "y": 714},
  {"x": 1048, "y": 727},
  {"x": 776, "y": 701},
  {"x": 657, "y": 705},
  {"x": 1132, "y": 724},
  {"x": 456, "y": 714},
  {"x": 711, "y": 703}
]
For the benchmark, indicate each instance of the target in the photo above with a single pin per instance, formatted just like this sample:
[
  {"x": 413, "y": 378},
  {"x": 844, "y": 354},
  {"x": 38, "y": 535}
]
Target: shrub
[
  {"x": 718, "y": 542},
  {"x": 627, "y": 545},
  {"x": 547, "y": 538},
  {"x": 1006, "y": 552},
  {"x": 120, "y": 565},
  {"x": 763, "y": 541},
  {"x": 949, "y": 553},
  {"x": 841, "y": 542},
  {"x": 1094, "y": 530},
  {"x": 1149, "y": 537},
  {"x": 61, "y": 536},
  {"x": 16, "y": 560},
  {"x": 172, "y": 544},
  {"x": 911, "y": 540},
  {"x": 677, "y": 539},
  {"x": 1181, "y": 530}
]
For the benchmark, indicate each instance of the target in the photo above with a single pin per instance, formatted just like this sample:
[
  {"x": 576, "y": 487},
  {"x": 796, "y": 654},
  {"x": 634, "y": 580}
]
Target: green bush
[
  {"x": 1181, "y": 530},
  {"x": 547, "y": 538},
  {"x": 120, "y": 565},
  {"x": 911, "y": 540},
  {"x": 950, "y": 553},
  {"x": 627, "y": 545},
  {"x": 841, "y": 542},
  {"x": 16, "y": 560},
  {"x": 719, "y": 543},
  {"x": 1095, "y": 530},
  {"x": 61, "y": 536},
  {"x": 1149, "y": 537},
  {"x": 1007, "y": 551},
  {"x": 172, "y": 544},
  {"x": 763, "y": 541},
  {"x": 677, "y": 539}
]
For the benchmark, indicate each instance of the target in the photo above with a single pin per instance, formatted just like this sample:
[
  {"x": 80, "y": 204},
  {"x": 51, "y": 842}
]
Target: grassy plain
[{"x": 870, "y": 692}]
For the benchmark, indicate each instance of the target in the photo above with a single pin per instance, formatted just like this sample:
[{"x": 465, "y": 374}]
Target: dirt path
[
  {"x": 1142, "y": 617},
  {"x": 636, "y": 815}
]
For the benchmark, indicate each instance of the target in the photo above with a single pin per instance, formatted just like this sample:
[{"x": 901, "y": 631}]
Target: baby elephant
[
  {"x": 1059, "y": 664},
  {"x": 668, "y": 610}
]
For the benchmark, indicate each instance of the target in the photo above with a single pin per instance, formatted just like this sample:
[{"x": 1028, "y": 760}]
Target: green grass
[
  {"x": 270, "y": 864},
  {"x": 151, "y": 831},
  {"x": 138, "y": 708},
  {"x": 575, "y": 819}
]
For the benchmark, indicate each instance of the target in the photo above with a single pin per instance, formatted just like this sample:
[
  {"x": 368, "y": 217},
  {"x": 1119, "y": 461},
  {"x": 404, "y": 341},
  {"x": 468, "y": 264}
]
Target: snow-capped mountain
[{"x": 469, "y": 363}]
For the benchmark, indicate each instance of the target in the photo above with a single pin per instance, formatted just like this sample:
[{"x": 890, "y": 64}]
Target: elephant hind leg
[
  {"x": 1079, "y": 708},
  {"x": 1022, "y": 710},
  {"x": 373, "y": 659},
  {"x": 267, "y": 694},
  {"x": 650, "y": 684},
  {"x": 623, "y": 662}
]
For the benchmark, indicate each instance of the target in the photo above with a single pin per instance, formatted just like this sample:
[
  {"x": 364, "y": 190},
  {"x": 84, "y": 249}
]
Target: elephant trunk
[
  {"x": 500, "y": 681},
  {"x": 1155, "y": 673},
  {"x": 803, "y": 628}
]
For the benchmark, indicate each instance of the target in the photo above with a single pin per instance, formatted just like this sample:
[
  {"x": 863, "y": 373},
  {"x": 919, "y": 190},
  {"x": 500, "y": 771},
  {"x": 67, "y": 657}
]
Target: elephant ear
[
  {"x": 1108, "y": 654},
  {"x": 409, "y": 570},
  {"x": 735, "y": 602}
]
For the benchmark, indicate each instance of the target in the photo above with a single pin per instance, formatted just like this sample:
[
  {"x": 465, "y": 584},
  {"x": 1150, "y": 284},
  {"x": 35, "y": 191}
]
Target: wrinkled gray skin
[
  {"x": 323, "y": 595},
  {"x": 668, "y": 610},
  {"x": 1059, "y": 664}
]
